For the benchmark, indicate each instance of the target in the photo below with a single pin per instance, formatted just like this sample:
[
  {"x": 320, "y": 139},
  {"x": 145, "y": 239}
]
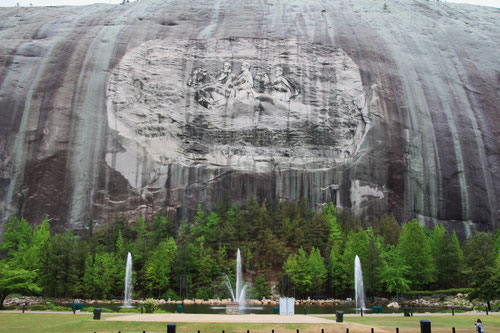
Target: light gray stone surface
[{"x": 110, "y": 108}]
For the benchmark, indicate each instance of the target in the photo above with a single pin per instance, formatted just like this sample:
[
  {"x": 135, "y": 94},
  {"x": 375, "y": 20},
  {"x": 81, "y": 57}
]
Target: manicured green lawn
[
  {"x": 56, "y": 323},
  {"x": 440, "y": 324}
]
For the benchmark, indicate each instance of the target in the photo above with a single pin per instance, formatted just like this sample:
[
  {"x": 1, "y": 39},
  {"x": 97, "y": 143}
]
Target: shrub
[
  {"x": 449, "y": 292},
  {"x": 129, "y": 310},
  {"x": 53, "y": 307},
  {"x": 103, "y": 310},
  {"x": 171, "y": 294},
  {"x": 151, "y": 305},
  {"x": 38, "y": 307}
]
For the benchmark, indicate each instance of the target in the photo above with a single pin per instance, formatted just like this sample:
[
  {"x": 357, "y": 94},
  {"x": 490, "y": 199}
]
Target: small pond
[{"x": 265, "y": 309}]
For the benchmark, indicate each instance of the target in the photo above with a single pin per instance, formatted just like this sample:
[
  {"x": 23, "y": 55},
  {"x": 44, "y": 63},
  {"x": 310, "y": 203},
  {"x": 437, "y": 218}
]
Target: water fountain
[
  {"x": 358, "y": 285},
  {"x": 238, "y": 295},
  {"x": 127, "y": 297}
]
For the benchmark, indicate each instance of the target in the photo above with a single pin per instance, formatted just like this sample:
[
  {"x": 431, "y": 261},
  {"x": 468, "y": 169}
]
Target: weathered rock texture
[{"x": 161, "y": 105}]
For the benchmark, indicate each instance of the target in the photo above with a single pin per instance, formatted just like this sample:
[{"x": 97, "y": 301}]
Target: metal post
[
  {"x": 372, "y": 329},
  {"x": 322, "y": 330},
  {"x": 452, "y": 310},
  {"x": 346, "y": 330},
  {"x": 361, "y": 312},
  {"x": 397, "y": 329},
  {"x": 23, "y": 307},
  {"x": 453, "y": 329}
]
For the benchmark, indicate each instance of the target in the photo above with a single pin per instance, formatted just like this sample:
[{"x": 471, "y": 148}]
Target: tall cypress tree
[{"x": 414, "y": 247}]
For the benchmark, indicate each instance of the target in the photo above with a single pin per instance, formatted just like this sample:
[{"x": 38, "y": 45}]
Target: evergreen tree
[
  {"x": 58, "y": 271},
  {"x": 390, "y": 229},
  {"x": 89, "y": 278},
  {"x": 479, "y": 257}
]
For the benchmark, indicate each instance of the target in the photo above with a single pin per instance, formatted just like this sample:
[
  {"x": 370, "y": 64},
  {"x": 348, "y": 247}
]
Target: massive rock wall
[{"x": 161, "y": 105}]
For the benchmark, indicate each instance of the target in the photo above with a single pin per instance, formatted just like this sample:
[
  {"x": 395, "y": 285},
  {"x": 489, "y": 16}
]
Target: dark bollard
[
  {"x": 372, "y": 329},
  {"x": 425, "y": 326},
  {"x": 340, "y": 316},
  {"x": 322, "y": 330},
  {"x": 397, "y": 329},
  {"x": 171, "y": 328},
  {"x": 272, "y": 331},
  {"x": 97, "y": 314},
  {"x": 361, "y": 312},
  {"x": 486, "y": 311},
  {"x": 297, "y": 330},
  {"x": 248, "y": 331},
  {"x": 452, "y": 310},
  {"x": 346, "y": 330},
  {"x": 453, "y": 330},
  {"x": 198, "y": 331},
  {"x": 411, "y": 311},
  {"x": 24, "y": 305}
]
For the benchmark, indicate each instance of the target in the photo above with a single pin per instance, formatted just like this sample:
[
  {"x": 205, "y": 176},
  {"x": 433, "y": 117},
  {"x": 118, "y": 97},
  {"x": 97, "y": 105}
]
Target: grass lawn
[
  {"x": 439, "y": 324},
  {"x": 55, "y": 323}
]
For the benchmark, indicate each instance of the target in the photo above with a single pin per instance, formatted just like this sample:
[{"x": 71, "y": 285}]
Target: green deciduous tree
[
  {"x": 317, "y": 270},
  {"x": 307, "y": 272},
  {"x": 335, "y": 269},
  {"x": 15, "y": 280},
  {"x": 414, "y": 247},
  {"x": 394, "y": 271},
  {"x": 159, "y": 267},
  {"x": 450, "y": 261},
  {"x": 357, "y": 244}
]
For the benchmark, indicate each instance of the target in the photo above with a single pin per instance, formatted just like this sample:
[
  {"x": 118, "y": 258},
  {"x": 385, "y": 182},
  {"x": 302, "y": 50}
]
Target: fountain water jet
[
  {"x": 127, "y": 297},
  {"x": 358, "y": 284},
  {"x": 238, "y": 296}
]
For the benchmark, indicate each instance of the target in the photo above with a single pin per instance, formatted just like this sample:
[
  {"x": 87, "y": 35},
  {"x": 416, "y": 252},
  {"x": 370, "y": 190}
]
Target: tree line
[{"x": 314, "y": 249}]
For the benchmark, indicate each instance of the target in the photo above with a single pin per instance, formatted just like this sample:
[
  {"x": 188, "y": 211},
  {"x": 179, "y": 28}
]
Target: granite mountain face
[{"x": 161, "y": 105}]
